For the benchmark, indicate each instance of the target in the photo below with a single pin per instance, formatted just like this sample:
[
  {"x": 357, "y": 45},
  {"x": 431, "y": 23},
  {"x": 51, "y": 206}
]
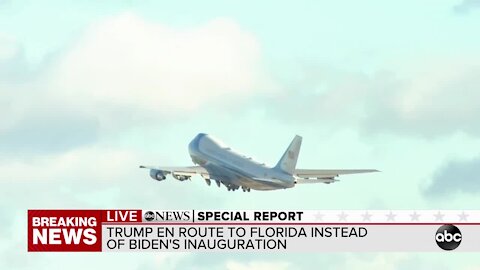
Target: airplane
[{"x": 218, "y": 162}]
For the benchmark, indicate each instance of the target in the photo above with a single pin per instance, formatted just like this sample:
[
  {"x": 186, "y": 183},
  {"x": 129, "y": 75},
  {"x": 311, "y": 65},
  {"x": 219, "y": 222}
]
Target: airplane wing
[
  {"x": 326, "y": 173},
  {"x": 323, "y": 176},
  {"x": 180, "y": 171}
]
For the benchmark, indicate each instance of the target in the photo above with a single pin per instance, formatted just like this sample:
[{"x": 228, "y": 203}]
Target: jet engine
[
  {"x": 329, "y": 180},
  {"x": 157, "y": 175},
  {"x": 181, "y": 177}
]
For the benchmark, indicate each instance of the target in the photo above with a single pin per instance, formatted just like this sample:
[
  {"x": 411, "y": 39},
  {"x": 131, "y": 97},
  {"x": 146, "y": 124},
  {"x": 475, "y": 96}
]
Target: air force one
[{"x": 220, "y": 163}]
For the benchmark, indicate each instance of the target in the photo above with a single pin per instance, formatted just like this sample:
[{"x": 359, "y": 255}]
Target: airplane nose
[
  {"x": 193, "y": 146},
  {"x": 199, "y": 136}
]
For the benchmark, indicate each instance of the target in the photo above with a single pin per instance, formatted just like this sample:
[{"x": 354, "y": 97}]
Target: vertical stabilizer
[{"x": 288, "y": 162}]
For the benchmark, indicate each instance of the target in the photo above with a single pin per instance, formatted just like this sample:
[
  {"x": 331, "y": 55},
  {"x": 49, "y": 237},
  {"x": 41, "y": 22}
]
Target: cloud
[
  {"x": 131, "y": 64},
  {"x": 378, "y": 261},
  {"x": 77, "y": 165},
  {"x": 437, "y": 99},
  {"x": 123, "y": 72},
  {"x": 456, "y": 177},
  {"x": 48, "y": 131},
  {"x": 257, "y": 265},
  {"x": 392, "y": 261},
  {"x": 8, "y": 47},
  {"x": 466, "y": 6},
  {"x": 13, "y": 65},
  {"x": 424, "y": 99}
]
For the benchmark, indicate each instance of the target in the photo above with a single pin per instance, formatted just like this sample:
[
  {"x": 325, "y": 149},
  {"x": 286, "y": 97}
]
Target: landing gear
[
  {"x": 245, "y": 189},
  {"x": 231, "y": 187}
]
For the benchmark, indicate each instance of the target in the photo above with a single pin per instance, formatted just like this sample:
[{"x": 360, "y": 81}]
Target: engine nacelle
[
  {"x": 181, "y": 177},
  {"x": 330, "y": 180},
  {"x": 157, "y": 175}
]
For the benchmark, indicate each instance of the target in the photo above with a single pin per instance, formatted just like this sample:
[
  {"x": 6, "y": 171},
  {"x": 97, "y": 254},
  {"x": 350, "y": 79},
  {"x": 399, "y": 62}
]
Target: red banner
[{"x": 72, "y": 230}]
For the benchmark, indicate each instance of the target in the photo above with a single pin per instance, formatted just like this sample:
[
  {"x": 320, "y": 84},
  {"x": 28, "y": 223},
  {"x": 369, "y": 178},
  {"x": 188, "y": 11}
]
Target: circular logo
[
  {"x": 149, "y": 216},
  {"x": 448, "y": 237}
]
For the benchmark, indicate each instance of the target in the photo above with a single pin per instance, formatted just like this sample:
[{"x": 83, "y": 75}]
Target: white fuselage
[{"x": 233, "y": 169}]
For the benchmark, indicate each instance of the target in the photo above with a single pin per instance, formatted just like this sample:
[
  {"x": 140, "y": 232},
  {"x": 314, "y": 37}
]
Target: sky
[{"x": 89, "y": 90}]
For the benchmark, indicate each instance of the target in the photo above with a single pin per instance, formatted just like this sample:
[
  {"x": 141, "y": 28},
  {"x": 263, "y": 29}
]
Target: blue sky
[{"x": 88, "y": 91}]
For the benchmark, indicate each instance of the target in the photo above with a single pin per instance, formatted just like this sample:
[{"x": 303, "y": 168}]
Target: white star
[
  {"x": 414, "y": 216},
  {"x": 366, "y": 216},
  {"x": 439, "y": 216},
  {"x": 342, "y": 216},
  {"x": 319, "y": 216},
  {"x": 391, "y": 216},
  {"x": 463, "y": 216}
]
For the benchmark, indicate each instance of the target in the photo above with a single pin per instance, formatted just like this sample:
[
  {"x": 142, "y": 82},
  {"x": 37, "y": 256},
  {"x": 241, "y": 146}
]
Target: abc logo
[
  {"x": 149, "y": 216},
  {"x": 448, "y": 237}
]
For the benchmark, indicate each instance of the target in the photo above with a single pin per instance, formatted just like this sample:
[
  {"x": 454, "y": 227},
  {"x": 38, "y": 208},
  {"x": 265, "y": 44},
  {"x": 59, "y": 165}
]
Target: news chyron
[
  {"x": 186, "y": 215},
  {"x": 136, "y": 230}
]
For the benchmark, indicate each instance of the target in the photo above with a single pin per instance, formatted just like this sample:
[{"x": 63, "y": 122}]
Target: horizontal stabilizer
[{"x": 303, "y": 173}]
